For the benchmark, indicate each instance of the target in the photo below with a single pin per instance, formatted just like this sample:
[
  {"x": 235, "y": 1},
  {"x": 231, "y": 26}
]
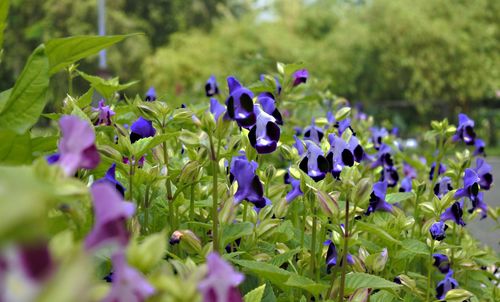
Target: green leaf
[
  {"x": 363, "y": 280},
  {"x": 373, "y": 229},
  {"x": 457, "y": 295},
  {"x": 85, "y": 99},
  {"x": 106, "y": 87},
  {"x": 306, "y": 284},
  {"x": 43, "y": 144},
  {"x": 398, "y": 197},
  {"x": 342, "y": 114},
  {"x": 144, "y": 145},
  {"x": 266, "y": 271},
  {"x": 255, "y": 295},
  {"x": 4, "y": 97},
  {"x": 15, "y": 149},
  {"x": 28, "y": 97},
  {"x": 63, "y": 52},
  {"x": 235, "y": 231},
  {"x": 415, "y": 246}
]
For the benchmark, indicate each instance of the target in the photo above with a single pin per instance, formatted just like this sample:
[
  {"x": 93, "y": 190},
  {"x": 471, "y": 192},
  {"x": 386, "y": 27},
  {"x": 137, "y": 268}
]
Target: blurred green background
[{"x": 407, "y": 62}]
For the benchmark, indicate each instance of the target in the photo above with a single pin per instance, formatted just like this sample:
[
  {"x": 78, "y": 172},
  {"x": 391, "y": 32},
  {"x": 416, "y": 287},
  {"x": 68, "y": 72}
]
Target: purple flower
[
  {"x": 127, "y": 283},
  {"x": 357, "y": 149},
  {"x": 377, "y": 199},
  {"x": 300, "y": 76},
  {"x": 110, "y": 215},
  {"x": 268, "y": 104},
  {"x": 454, "y": 213},
  {"x": 77, "y": 146},
  {"x": 445, "y": 285},
  {"x": 442, "y": 263},
  {"x": 313, "y": 133},
  {"x": 110, "y": 177},
  {"x": 483, "y": 170},
  {"x": 343, "y": 125},
  {"x": 479, "y": 147},
  {"x": 438, "y": 230},
  {"x": 150, "y": 94},
  {"x": 390, "y": 175},
  {"x": 105, "y": 114},
  {"x": 265, "y": 134},
  {"x": 141, "y": 128},
  {"x": 442, "y": 169},
  {"x": 331, "y": 256},
  {"x": 314, "y": 162},
  {"x": 377, "y": 136},
  {"x": 471, "y": 185},
  {"x": 298, "y": 145},
  {"x": 216, "y": 108},
  {"x": 139, "y": 163},
  {"x": 339, "y": 155},
  {"x": 249, "y": 185},
  {"x": 442, "y": 187},
  {"x": 295, "y": 192},
  {"x": 409, "y": 171},
  {"x": 240, "y": 104},
  {"x": 465, "y": 130},
  {"x": 211, "y": 87},
  {"x": 384, "y": 157},
  {"x": 478, "y": 203},
  {"x": 221, "y": 282},
  {"x": 406, "y": 185}
]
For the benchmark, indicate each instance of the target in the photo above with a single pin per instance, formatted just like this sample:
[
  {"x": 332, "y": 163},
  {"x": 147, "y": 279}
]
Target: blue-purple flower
[
  {"x": 77, "y": 146},
  {"x": 483, "y": 170},
  {"x": 249, "y": 185},
  {"x": 110, "y": 177},
  {"x": 314, "y": 162},
  {"x": 442, "y": 187},
  {"x": 111, "y": 213},
  {"x": 471, "y": 185},
  {"x": 299, "y": 145},
  {"x": 239, "y": 104},
  {"x": 268, "y": 104},
  {"x": 384, "y": 157},
  {"x": 391, "y": 176},
  {"x": 211, "y": 87},
  {"x": 300, "y": 76},
  {"x": 445, "y": 285},
  {"x": 442, "y": 169},
  {"x": 331, "y": 256},
  {"x": 313, "y": 133},
  {"x": 465, "y": 130},
  {"x": 479, "y": 148},
  {"x": 406, "y": 185},
  {"x": 409, "y": 171},
  {"x": 438, "y": 230},
  {"x": 141, "y": 128},
  {"x": 150, "y": 95},
  {"x": 377, "y": 199},
  {"x": 127, "y": 284},
  {"x": 216, "y": 108},
  {"x": 442, "y": 263},
  {"x": 104, "y": 114},
  {"x": 221, "y": 282},
  {"x": 265, "y": 134},
  {"x": 378, "y": 135},
  {"x": 339, "y": 155},
  {"x": 295, "y": 192},
  {"x": 454, "y": 213}
]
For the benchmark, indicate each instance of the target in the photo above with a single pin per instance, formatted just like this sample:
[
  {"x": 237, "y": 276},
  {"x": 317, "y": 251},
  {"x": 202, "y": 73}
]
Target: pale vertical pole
[{"x": 101, "y": 24}]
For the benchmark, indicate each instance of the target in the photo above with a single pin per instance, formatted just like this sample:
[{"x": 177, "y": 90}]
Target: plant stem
[
  {"x": 146, "y": 211},
  {"x": 313, "y": 241},
  {"x": 429, "y": 270},
  {"x": 70, "y": 82},
  {"x": 130, "y": 183},
  {"x": 168, "y": 186},
  {"x": 245, "y": 209},
  {"x": 191, "y": 203},
  {"x": 215, "y": 202},
  {"x": 344, "y": 251}
]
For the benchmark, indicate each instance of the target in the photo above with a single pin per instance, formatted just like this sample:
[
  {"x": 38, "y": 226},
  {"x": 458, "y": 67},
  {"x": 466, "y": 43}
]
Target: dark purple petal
[
  {"x": 265, "y": 134},
  {"x": 484, "y": 171},
  {"x": 240, "y": 105},
  {"x": 442, "y": 262},
  {"x": 465, "y": 130},
  {"x": 141, "y": 128},
  {"x": 447, "y": 284},
  {"x": 150, "y": 94},
  {"x": 211, "y": 87},
  {"x": 36, "y": 261},
  {"x": 442, "y": 169},
  {"x": 249, "y": 185},
  {"x": 221, "y": 281},
  {"x": 313, "y": 133},
  {"x": 378, "y": 135},
  {"x": 300, "y": 76},
  {"x": 104, "y": 114},
  {"x": 454, "y": 213},
  {"x": 377, "y": 199},
  {"x": 110, "y": 177},
  {"x": 438, "y": 230},
  {"x": 406, "y": 185},
  {"x": 314, "y": 163},
  {"x": 479, "y": 148},
  {"x": 443, "y": 187}
]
